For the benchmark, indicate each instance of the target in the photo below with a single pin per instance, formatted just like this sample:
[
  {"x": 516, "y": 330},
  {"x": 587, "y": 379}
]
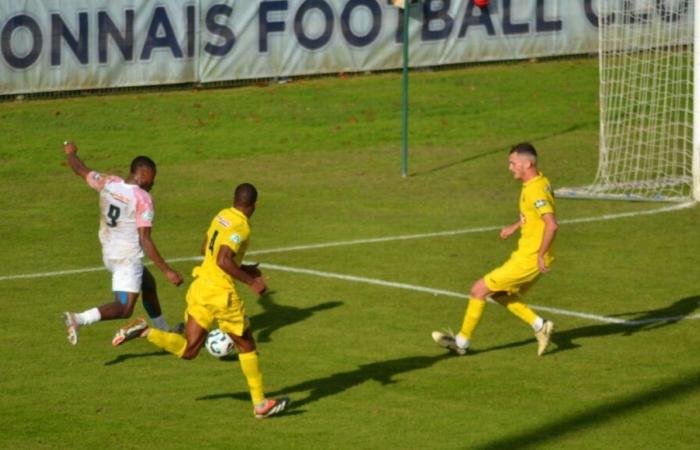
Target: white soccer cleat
[
  {"x": 131, "y": 330},
  {"x": 72, "y": 327},
  {"x": 271, "y": 407},
  {"x": 544, "y": 336},
  {"x": 447, "y": 340}
]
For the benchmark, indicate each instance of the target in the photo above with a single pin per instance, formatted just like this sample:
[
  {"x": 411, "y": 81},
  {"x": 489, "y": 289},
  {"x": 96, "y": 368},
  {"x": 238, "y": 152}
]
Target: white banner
[{"x": 54, "y": 45}]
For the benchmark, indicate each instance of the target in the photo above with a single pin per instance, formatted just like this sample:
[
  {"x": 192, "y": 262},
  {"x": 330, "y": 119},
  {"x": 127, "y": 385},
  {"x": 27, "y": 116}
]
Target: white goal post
[{"x": 649, "y": 121}]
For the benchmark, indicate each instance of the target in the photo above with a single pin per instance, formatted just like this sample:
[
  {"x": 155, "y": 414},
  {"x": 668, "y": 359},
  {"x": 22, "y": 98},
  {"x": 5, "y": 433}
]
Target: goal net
[{"x": 646, "y": 103}]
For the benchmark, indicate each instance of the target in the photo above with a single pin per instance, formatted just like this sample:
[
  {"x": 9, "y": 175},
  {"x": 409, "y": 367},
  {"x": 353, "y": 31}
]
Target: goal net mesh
[{"x": 646, "y": 101}]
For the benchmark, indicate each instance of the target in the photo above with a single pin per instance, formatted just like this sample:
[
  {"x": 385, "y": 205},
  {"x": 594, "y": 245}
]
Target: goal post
[{"x": 649, "y": 146}]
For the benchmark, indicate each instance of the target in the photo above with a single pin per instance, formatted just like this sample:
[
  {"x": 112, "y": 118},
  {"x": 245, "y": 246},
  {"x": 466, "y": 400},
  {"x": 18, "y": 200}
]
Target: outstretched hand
[
  {"x": 174, "y": 277},
  {"x": 70, "y": 148}
]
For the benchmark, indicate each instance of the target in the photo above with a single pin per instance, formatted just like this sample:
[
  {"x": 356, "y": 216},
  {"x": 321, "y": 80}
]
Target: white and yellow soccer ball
[{"x": 219, "y": 344}]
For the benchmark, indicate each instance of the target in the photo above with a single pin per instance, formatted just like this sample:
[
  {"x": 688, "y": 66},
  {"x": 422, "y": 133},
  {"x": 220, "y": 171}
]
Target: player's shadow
[
  {"x": 500, "y": 149},
  {"x": 276, "y": 316},
  {"x": 383, "y": 372},
  {"x": 126, "y": 356},
  {"x": 636, "y": 322},
  {"x": 548, "y": 435}
]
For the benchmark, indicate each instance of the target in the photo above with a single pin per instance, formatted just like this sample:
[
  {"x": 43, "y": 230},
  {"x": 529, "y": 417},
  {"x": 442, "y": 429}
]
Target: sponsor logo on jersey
[
  {"x": 147, "y": 216},
  {"x": 119, "y": 197},
  {"x": 96, "y": 176},
  {"x": 235, "y": 238},
  {"x": 225, "y": 223},
  {"x": 540, "y": 203}
]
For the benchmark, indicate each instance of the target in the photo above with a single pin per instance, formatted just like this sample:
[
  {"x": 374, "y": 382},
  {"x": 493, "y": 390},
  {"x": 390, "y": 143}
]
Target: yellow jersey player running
[
  {"x": 212, "y": 297},
  {"x": 538, "y": 226}
]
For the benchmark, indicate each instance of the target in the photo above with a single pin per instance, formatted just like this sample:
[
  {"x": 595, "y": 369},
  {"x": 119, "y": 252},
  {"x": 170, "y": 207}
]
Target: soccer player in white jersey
[{"x": 126, "y": 218}]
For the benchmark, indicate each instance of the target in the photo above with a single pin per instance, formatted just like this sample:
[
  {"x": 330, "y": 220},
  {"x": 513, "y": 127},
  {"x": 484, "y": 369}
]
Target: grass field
[{"x": 354, "y": 355}]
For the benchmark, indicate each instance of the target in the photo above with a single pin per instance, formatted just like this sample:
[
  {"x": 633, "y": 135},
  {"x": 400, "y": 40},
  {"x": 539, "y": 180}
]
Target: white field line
[
  {"x": 366, "y": 241},
  {"x": 436, "y": 292}
]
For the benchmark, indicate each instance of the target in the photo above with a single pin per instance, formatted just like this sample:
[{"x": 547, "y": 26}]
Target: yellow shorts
[
  {"x": 207, "y": 303},
  {"x": 513, "y": 276}
]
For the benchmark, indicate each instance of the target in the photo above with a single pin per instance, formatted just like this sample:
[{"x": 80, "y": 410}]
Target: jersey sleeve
[
  {"x": 542, "y": 200},
  {"x": 236, "y": 237},
  {"x": 144, "y": 209},
  {"x": 96, "y": 180}
]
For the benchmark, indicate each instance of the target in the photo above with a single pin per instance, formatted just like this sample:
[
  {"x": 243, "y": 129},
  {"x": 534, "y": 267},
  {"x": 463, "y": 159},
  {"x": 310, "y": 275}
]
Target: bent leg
[
  {"x": 185, "y": 347},
  {"x": 150, "y": 301}
]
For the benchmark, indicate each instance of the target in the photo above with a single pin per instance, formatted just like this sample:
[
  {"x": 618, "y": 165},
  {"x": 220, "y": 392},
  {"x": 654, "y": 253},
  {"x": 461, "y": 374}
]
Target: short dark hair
[
  {"x": 525, "y": 148},
  {"x": 245, "y": 195},
  {"x": 142, "y": 161}
]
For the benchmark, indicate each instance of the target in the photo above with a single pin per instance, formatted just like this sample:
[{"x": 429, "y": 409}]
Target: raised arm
[
  {"x": 149, "y": 247},
  {"x": 75, "y": 163},
  {"x": 245, "y": 274}
]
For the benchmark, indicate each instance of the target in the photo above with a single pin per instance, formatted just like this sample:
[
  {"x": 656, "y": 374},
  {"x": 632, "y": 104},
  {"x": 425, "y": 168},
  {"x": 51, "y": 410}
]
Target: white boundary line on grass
[
  {"x": 436, "y": 292},
  {"x": 604, "y": 217}
]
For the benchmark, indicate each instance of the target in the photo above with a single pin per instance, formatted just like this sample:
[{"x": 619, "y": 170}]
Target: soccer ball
[{"x": 218, "y": 343}]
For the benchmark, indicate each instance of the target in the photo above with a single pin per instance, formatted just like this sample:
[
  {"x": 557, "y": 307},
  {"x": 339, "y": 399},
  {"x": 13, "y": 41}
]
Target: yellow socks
[
  {"x": 472, "y": 317},
  {"x": 521, "y": 310},
  {"x": 251, "y": 369},
  {"x": 171, "y": 342}
]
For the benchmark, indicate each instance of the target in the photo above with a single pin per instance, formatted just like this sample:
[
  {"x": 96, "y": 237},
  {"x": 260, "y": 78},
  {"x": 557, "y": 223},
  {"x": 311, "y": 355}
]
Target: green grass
[{"x": 356, "y": 359}]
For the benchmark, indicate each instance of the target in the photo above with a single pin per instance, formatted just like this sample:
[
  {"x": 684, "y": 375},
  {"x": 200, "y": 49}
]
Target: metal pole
[{"x": 404, "y": 106}]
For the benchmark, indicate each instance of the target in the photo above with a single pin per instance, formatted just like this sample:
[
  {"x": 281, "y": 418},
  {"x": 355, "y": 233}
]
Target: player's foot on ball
[
  {"x": 131, "y": 330},
  {"x": 271, "y": 407},
  {"x": 72, "y": 327},
  {"x": 447, "y": 340},
  {"x": 544, "y": 336}
]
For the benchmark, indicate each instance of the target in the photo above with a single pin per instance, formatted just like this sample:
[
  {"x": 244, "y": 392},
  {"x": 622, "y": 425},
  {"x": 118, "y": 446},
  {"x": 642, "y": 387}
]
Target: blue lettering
[
  {"x": 349, "y": 34},
  {"x": 267, "y": 26},
  {"x": 508, "y": 26},
  {"x": 431, "y": 15},
  {"x": 156, "y": 39},
  {"x": 59, "y": 30},
  {"x": 320, "y": 41},
  {"x": 220, "y": 30},
  {"x": 483, "y": 19},
  {"x": 191, "y": 30},
  {"x": 21, "y": 21},
  {"x": 545, "y": 25},
  {"x": 106, "y": 28}
]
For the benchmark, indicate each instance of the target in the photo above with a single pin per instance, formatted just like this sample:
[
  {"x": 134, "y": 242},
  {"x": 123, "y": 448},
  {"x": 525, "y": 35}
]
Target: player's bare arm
[
  {"x": 203, "y": 250},
  {"x": 508, "y": 231},
  {"x": 550, "y": 231},
  {"x": 149, "y": 247},
  {"x": 75, "y": 163},
  {"x": 224, "y": 259}
]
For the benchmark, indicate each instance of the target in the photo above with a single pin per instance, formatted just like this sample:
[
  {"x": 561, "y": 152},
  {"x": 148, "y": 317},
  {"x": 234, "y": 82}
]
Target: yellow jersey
[
  {"x": 536, "y": 200},
  {"x": 230, "y": 228}
]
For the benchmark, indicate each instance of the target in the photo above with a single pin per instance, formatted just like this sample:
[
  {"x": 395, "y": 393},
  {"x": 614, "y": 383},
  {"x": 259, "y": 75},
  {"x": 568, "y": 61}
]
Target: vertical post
[
  {"x": 404, "y": 102},
  {"x": 696, "y": 102}
]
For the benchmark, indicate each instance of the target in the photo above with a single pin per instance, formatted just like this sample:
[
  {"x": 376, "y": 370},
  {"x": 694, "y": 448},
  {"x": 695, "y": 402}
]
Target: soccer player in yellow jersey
[
  {"x": 538, "y": 226},
  {"x": 212, "y": 296}
]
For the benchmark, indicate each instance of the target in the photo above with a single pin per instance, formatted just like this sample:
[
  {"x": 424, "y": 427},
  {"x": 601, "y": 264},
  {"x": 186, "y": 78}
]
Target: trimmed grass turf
[{"x": 357, "y": 360}]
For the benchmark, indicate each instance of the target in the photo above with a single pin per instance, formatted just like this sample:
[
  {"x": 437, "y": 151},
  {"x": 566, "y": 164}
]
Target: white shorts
[{"x": 126, "y": 274}]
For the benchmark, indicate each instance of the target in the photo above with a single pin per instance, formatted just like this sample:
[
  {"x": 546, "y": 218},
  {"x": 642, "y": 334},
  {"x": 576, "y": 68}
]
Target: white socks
[
  {"x": 461, "y": 341},
  {"x": 538, "y": 324},
  {"x": 88, "y": 317}
]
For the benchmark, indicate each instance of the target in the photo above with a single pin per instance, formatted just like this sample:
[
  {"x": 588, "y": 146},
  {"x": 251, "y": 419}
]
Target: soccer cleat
[
  {"x": 131, "y": 330},
  {"x": 272, "y": 407},
  {"x": 72, "y": 327},
  {"x": 544, "y": 336},
  {"x": 447, "y": 340}
]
